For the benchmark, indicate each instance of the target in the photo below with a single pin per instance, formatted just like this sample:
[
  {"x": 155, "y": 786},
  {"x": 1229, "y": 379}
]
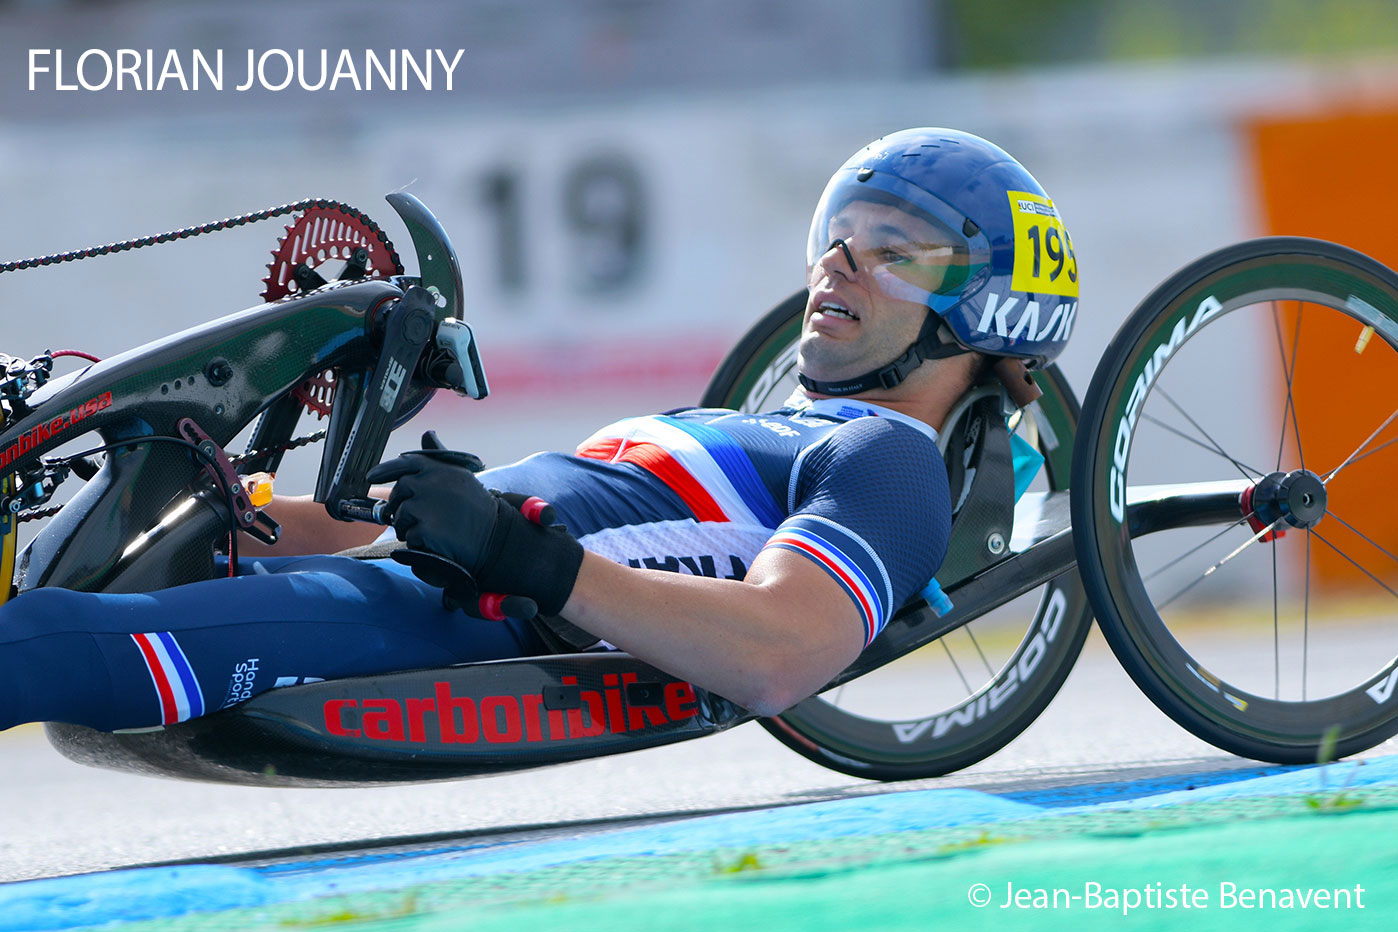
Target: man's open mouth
[{"x": 834, "y": 310}]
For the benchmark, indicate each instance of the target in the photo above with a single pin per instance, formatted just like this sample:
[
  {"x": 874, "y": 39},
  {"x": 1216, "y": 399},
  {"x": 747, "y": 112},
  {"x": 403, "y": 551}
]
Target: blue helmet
[{"x": 1001, "y": 273}]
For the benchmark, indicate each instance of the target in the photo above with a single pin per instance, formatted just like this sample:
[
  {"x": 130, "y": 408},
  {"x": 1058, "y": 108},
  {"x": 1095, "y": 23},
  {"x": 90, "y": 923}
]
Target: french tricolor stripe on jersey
[
  {"x": 657, "y": 461},
  {"x": 703, "y": 466},
  {"x": 170, "y": 671},
  {"x": 737, "y": 468},
  {"x": 841, "y": 568}
]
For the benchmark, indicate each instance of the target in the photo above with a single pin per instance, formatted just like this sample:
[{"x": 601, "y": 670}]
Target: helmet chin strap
[{"x": 928, "y": 345}]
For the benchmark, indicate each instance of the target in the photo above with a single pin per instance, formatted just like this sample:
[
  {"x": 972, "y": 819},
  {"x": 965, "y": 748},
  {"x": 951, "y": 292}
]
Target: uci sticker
[{"x": 1044, "y": 259}]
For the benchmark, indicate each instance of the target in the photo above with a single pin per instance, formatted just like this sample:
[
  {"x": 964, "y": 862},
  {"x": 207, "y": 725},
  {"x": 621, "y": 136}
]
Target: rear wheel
[
  {"x": 955, "y": 701},
  {"x": 1270, "y": 366}
]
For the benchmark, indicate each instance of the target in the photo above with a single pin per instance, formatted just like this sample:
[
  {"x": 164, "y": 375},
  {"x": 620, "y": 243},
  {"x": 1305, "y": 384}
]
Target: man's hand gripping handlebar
[{"x": 494, "y": 554}]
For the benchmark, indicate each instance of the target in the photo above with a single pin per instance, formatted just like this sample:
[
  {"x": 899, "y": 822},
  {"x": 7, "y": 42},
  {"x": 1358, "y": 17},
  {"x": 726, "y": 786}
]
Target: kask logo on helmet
[{"x": 995, "y": 318}]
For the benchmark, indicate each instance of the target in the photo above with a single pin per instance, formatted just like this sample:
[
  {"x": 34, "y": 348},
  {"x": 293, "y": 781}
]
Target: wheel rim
[{"x": 1284, "y": 663}]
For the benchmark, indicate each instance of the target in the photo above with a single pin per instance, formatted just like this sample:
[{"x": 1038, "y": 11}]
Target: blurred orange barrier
[{"x": 1329, "y": 176}]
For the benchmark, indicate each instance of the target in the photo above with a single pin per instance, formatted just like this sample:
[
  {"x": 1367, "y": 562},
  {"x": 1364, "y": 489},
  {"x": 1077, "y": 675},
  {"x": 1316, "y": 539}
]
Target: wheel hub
[{"x": 1296, "y": 498}]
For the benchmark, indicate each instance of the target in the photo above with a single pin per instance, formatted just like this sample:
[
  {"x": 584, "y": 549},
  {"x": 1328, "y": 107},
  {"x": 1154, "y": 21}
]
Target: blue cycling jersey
[{"x": 859, "y": 490}]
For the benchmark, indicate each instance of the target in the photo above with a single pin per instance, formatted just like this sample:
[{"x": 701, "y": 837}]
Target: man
[{"x": 928, "y": 250}]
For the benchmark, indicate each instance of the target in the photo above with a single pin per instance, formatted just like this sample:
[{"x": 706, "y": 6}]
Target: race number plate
[{"x": 1044, "y": 259}]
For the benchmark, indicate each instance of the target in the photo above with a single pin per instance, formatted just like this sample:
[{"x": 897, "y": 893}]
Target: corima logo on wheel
[
  {"x": 1121, "y": 445},
  {"x": 1005, "y": 685}
]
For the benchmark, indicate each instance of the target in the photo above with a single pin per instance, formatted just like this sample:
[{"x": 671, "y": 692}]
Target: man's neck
[{"x": 927, "y": 394}]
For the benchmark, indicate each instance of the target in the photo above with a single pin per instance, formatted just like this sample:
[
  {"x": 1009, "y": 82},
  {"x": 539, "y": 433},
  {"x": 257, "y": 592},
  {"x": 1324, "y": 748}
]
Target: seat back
[{"x": 975, "y": 443}]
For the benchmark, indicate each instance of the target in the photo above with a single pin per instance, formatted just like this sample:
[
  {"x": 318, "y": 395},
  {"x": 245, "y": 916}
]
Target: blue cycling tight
[{"x": 113, "y": 661}]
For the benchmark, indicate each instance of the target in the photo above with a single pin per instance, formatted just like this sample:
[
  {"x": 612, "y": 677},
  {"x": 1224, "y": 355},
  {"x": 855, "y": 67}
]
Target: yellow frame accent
[{"x": 8, "y": 540}]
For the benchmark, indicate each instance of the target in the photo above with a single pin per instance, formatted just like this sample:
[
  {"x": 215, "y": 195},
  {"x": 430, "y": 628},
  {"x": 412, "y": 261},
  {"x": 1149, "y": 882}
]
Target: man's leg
[{"x": 127, "y": 661}]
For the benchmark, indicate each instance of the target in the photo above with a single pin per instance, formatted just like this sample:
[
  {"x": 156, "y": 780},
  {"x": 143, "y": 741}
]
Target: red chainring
[
  {"x": 318, "y": 235},
  {"x": 317, "y": 394}
]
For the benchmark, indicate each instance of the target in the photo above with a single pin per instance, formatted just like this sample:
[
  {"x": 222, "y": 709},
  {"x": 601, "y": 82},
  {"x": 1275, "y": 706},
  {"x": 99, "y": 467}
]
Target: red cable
[{"x": 72, "y": 352}]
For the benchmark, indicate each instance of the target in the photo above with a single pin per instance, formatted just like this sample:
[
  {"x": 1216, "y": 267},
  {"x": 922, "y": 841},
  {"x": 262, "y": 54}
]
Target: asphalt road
[{"x": 63, "y": 818}]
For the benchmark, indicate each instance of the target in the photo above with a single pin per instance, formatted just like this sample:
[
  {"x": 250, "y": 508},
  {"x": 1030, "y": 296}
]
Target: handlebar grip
[{"x": 371, "y": 510}]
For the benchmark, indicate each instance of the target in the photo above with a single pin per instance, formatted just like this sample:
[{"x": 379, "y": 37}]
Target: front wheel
[
  {"x": 1267, "y": 370},
  {"x": 957, "y": 700}
]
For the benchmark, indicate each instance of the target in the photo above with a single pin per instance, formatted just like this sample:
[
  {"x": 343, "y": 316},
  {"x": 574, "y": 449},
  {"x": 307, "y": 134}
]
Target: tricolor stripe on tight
[
  {"x": 170, "y": 671},
  {"x": 703, "y": 466},
  {"x": 841, "y": 568}
]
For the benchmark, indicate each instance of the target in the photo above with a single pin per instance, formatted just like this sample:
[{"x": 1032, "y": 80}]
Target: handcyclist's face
[{"x": 868, "y": 296}]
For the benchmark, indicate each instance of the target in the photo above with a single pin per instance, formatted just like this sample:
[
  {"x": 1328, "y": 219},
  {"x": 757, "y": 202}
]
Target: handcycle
[{"x": 1022, "y": 579}]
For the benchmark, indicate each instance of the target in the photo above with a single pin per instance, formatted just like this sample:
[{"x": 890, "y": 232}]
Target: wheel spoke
[
  {"x": 1364, "y": 537},
  {"x": 1211, "y": 570},
  {"x": 1306, "y": 623},
  {"x": 1349, "y": 459},
  {"x": 1196, "y": 548},
  {"x": 972, "y": 635},
  {"x": 1255, "y": 473},
  {"x": 956, "y": 666},
  {"x": 1194, "y": 440},
  {"x": 1290, "y": 369},
  {"x": 1276, "y": 633},
  {"x": 1389, "y": 589},
  {"x": 1368, "y": 453}
]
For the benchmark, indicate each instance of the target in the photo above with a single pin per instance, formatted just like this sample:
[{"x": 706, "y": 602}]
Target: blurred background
[{"x": 629, "y": 183}]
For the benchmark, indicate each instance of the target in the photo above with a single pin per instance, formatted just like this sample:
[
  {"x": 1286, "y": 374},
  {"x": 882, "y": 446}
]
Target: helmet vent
[
  {"x": 969, "y": 228},
  {"x": 864, "y": 174}
]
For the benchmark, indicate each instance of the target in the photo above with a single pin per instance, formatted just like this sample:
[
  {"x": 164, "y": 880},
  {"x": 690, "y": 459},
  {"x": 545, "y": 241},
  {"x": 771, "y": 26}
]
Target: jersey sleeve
[{"x": 870, "y": 506}]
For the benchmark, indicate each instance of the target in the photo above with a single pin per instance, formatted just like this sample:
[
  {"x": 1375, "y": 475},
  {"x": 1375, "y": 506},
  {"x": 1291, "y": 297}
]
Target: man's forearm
[
  {"x": 760, "y": 642},
  {"x": 308, "y": 528}
]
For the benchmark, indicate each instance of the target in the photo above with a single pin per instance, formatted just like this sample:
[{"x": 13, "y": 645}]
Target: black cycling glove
[{"x": 505, "y": 543}]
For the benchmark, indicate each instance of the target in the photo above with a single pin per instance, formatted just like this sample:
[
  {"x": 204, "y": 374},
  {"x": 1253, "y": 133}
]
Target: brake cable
[{"x": 35, "y": 514}]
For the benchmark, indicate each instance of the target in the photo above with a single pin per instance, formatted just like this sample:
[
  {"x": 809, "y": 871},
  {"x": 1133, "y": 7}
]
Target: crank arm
[{"x": 407, "y": 328}]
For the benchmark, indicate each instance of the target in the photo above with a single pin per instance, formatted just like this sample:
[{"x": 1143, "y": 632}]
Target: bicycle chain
[
  {"x": 256, "y": 216},
  {"x": 140, "y": 242},
  {"x": 280, "y": 448}
]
